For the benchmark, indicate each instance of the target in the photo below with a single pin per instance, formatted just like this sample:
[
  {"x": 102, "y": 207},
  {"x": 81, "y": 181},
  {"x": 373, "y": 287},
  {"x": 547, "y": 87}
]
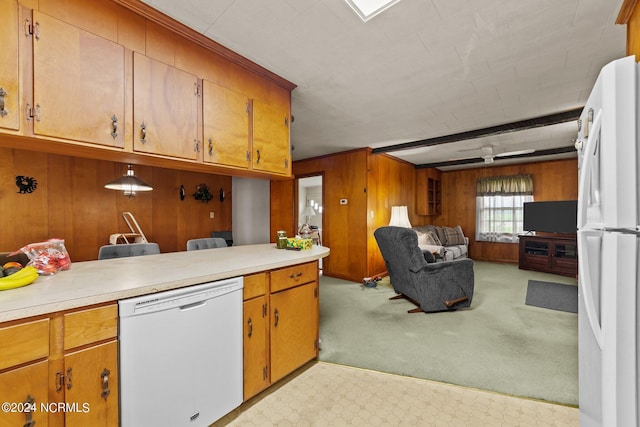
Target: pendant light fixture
[{"x": 129, "y": 184}]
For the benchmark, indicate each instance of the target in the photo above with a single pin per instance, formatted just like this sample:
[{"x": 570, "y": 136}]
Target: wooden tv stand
[{"x": 549, "y": 253}]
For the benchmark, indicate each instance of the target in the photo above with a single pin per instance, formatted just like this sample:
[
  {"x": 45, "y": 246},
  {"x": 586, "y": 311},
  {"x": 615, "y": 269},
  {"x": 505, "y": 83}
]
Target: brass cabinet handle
[
  {"x": 105, "y": 383},
  {"x": 29, "y": 409},
  {"x": 114, "y": 126},
  {"x": 258, "y": 158},
  {"x": 69, "y": 378},
  {"x": 3, "y": 93},
  {"x": 277, "y": 315},
  {"x": 295, "y": 276},
  {"x": 143, "y": 133},
  {"x": 59, "y": 381},
  {"x": 250, "y": 323}
]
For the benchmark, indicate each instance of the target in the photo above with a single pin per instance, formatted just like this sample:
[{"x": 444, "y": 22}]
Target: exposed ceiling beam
[
  {"x": 552, "y": 119},
  {"x": 472, "y": 160}
]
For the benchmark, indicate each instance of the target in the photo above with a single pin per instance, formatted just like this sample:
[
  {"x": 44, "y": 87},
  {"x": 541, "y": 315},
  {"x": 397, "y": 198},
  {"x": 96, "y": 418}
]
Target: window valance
[{"x": 505, "y": 185}]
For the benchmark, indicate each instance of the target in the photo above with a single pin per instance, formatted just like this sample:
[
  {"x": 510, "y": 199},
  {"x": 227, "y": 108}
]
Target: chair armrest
[{"x": 441, "y": 267}]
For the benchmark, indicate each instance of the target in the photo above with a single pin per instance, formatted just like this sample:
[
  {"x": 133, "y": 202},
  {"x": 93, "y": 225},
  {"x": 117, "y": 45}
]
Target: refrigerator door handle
[
  {"x": 585, "y": 171},
  {"x": 586, "y": 287}
]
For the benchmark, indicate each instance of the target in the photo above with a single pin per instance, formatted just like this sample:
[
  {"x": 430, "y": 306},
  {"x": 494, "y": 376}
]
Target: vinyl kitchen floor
[{"x": 325, "y": 394}]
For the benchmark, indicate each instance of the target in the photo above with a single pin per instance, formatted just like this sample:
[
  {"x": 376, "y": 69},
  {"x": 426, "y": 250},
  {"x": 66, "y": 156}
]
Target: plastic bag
[{"x": 47, "y": 257}]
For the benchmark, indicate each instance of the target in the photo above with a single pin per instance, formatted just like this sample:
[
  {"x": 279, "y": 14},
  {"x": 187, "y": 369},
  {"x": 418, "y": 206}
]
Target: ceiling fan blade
[
  {"x": 468, "y": 149},
  {"x": 516, "y": 153}
]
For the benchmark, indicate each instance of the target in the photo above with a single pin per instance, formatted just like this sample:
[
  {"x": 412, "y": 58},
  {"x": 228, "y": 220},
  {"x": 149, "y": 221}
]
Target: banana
[{"x": 23, "y": 277}]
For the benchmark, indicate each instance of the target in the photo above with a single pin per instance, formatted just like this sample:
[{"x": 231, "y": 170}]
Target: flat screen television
[{"x": 551, "y": 217}]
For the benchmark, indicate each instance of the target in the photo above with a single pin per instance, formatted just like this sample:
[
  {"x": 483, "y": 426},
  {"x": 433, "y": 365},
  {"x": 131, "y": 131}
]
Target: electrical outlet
[{"x": 211, "y": 215}]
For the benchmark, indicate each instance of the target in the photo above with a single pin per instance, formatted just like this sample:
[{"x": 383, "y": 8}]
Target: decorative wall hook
[
  {"x": 203, "y": 193},
  {"x": 26, "y": 184},
  {"x": 223, "y": 195}
]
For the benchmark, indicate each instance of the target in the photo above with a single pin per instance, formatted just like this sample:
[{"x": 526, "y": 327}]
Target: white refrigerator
[{"x": 609, "y": 249}]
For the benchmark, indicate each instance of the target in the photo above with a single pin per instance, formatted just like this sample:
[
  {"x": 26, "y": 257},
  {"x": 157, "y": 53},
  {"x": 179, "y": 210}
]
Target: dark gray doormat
[{"x": 554, "y": 296}]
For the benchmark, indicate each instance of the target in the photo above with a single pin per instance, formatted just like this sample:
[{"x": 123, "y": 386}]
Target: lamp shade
[
  {"x": 400, "y": 217},
  {"x": 129, "y": 184}
]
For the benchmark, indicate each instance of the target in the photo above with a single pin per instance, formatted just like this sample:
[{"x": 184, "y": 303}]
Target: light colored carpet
[
  {"x": 498, "y": 344},
  {"x": 334, "y": 395}
]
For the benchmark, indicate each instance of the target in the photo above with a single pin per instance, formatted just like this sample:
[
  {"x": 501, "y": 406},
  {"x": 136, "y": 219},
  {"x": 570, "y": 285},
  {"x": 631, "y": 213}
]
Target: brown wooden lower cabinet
[
  {"x": 22, "y": 388},
  {"x": 62, "y": 386},
  {"x": 68, "y": 361},
  {"x": 281, "y": 324},
  {"x": 294, "y": 326},
  {"x": 256, "y": 345},
  {"x": 93, "y": 396}
]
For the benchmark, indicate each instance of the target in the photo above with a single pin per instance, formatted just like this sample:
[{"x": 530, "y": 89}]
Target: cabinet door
[
  {"x": 22, "y": 385},
  {"x": 165, "y": 110},
  {"x": 271, "y": 151},
  {"x": 94, "y": 386},
  {"x": 78, "y": 84},
  {"x": 294, "y": 329},
  {"x": 256, "y": 346},
  {"x": 226, "y": 126},
  {"x": 9, "y": 97}
]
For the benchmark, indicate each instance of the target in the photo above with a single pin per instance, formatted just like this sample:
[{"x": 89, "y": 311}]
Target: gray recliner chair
[
  {"x": 206, "y": 243},
  {"x": 127, "y": 250},
  {"x": 436, "y": 286}
]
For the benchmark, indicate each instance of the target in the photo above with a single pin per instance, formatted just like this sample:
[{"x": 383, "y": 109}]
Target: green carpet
[{"x": 498, "y": 344}]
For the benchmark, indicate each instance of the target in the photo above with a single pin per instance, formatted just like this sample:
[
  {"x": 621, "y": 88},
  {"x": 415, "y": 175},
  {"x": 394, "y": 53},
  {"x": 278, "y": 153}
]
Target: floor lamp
[{"x": 400, "y": 217}]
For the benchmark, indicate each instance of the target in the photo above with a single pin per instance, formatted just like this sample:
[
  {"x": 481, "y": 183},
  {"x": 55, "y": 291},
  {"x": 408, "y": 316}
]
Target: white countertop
[{"x": 94, "y": 282}]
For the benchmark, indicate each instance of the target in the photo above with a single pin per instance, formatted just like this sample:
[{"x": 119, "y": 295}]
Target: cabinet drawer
[
  {"x": 255, "y": 285},
  {"x": 29, "y": 341},
  {"x": 87, "y": 326},
  {"x": 293, "y": 276}
]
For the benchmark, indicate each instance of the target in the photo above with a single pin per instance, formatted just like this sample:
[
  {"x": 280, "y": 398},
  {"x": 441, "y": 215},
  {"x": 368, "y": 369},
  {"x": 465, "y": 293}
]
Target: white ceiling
[{"x": 421, "y": 69}]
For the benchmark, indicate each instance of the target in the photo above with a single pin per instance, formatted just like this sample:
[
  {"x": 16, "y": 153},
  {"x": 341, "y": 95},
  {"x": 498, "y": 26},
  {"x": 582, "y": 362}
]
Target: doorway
[{"x": 310, "y": 206}]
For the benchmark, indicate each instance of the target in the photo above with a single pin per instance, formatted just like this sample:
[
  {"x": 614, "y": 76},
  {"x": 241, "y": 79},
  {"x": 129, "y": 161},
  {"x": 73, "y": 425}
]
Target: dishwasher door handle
[{"x": 193, "y": 305}]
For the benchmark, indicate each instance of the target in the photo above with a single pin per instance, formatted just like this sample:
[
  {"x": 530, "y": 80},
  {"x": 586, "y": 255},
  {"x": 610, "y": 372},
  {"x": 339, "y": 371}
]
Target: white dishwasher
[{"x": 181, "y": 355}]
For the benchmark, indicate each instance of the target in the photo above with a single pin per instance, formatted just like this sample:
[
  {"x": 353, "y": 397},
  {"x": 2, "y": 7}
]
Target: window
[{"x": 499, "y": 203}]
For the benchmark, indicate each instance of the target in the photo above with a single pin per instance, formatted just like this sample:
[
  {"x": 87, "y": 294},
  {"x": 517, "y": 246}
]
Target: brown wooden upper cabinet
[
  {"x": 225, "y": 122},
  {"x": 271, "y": 151},
  {"x": 60, "y": 82},
  {"x": 9, "y": 97},
  {"x": 165, "y": 109},
  {"x": 78, "y": 83}
]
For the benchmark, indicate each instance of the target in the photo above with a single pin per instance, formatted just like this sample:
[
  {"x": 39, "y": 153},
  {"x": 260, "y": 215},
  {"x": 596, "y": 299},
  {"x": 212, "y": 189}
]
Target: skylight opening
[{"x": 367, "y": 9}]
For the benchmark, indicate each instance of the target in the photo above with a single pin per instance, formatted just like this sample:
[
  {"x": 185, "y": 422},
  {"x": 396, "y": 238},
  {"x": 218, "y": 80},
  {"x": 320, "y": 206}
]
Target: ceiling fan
[{"x": 488, "y": 153}]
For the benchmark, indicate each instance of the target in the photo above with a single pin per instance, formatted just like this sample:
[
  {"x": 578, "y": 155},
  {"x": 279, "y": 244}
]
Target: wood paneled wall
[
  {"x": 345, "y": 226},
  {"x": 371, "y": 184},
  {"x": 391, "y": 183},
  {"x": 71, "y": 202},
  {"x": 555, "y": 180}
]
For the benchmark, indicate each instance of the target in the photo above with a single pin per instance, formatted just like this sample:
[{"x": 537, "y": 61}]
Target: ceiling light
[
  {"x": 367, "y": 9},
  {"x": 129, "y": 184}
]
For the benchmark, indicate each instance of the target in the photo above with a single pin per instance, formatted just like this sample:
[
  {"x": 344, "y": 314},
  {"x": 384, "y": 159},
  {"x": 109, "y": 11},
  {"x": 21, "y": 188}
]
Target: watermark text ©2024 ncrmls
[{"x": 48, "y": 407}]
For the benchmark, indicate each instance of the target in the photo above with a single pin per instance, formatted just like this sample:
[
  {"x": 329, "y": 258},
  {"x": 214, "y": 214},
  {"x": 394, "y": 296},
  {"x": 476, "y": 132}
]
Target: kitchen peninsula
[{"x": 61, "y": 332}]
